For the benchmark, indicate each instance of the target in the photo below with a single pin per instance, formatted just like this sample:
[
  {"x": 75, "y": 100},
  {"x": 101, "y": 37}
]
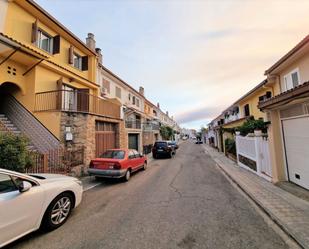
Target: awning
[
  {"x": 9, "y": 47},
  {"x": 301, "y": 91}
]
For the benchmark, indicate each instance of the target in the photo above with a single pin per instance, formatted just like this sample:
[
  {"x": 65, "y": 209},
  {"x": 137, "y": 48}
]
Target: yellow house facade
[
  {"x": 48, "y": 78},
  {"x": 289, "y": 115},
  {"x": 245, "y": 108}
]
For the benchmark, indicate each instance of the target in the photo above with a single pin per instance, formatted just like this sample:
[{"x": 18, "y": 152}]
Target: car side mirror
[
  {"x": 24, "y": 186},
  {"x": 141, "y": 155}
]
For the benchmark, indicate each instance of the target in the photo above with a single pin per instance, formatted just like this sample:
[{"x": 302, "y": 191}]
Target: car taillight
[
  {"x": 117, "y": 166},
  {"x": 114, "y": 166},
  {"x": 91, "y": 165}
]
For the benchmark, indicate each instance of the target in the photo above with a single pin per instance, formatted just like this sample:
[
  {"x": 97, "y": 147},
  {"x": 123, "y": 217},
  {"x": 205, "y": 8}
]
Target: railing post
[
  {"x": 237, "y": 143},
  {"x": 258, "y": 140},
  {"x": 45, "y": 163}
]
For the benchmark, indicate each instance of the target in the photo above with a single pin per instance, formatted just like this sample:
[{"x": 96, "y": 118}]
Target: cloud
[{"x": 203, "y": 113}]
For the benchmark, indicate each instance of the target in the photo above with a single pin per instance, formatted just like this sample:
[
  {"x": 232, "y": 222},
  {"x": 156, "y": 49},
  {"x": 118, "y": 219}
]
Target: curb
[{"x": 264, "y": 209}]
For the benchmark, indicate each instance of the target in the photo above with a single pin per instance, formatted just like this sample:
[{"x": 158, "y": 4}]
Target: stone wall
[{"x": 83, "y": 131}]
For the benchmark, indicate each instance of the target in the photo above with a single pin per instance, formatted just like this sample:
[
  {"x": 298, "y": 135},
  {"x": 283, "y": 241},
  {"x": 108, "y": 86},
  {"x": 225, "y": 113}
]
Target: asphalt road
[{"x": 183, "y": 202}]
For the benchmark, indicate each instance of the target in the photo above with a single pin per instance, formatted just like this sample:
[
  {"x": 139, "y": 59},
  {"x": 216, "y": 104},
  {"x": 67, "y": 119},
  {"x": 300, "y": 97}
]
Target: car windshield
[
  {"x": 160, "y": 144},
  {"x": 114, "y": 154}
]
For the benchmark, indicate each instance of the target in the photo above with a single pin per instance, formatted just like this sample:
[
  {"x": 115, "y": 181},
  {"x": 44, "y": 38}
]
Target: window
[
  {"x": 129, "y": 96},
  {"x": 247, "y": 110},
  {"x": 133, "y": 100},
  {"x": 131, "y": 154},
  {"x": 291, "y": 80},
  {"x": 137, "y": 102},
  {"x": 114, "y": 154},
  {"x": 45, "y": 41},
  {"x": 118, "y": 92},
  {"x": 68, "y": 97},
  {"x": 106, "y": 85},
  {"x": 6, "y": 184},
  {"x": 77, "y": 61}
]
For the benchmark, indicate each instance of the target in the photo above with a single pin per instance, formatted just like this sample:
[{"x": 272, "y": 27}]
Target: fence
[
  {"x": 58, "y": 161},
  {"x": 253, "y": 154}
]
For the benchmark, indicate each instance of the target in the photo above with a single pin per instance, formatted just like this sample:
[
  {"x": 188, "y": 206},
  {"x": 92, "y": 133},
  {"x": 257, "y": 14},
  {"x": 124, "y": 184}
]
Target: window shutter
[
  {"x": 84, "y": 63},
  {"x": 268, "y": 95},
  {"x": 56, "y": 44},
  {"x": 34, "y": 34},
  {"x": 59, "y": 93},
  {"x": 71, "y": 53}
]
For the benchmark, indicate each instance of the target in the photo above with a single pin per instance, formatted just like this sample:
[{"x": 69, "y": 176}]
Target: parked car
[
  {"x": 117, "y": 163},
  {"x": 163, "y": 148},
  {"x": 174, "y": 143},
  {"x": 199, "y": 142},
  {"x": 30, "y": 202}
]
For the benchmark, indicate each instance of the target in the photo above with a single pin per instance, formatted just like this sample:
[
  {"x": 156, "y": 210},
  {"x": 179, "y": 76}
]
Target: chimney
[
  {"x": 90, "y": 41},
  {"x": 158, "y": 105},
  {"x": 167, "y": 113},
  {"x": 141, "y": 90},
  {"x": 100, "y": 56}
]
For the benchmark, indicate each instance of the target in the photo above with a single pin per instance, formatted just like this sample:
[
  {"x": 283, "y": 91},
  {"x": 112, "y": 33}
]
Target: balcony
[
  {"x": 133, "y": 124},
  {"x": 149, "y": 126},
  {"x": 75, "y": 101}
]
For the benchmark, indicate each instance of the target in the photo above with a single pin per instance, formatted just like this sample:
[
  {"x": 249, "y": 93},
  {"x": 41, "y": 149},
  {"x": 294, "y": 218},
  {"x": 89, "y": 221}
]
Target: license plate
[{"x": 160, "y": 150}]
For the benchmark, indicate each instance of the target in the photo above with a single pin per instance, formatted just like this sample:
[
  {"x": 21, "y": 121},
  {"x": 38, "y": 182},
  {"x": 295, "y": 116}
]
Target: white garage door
[{"x": 296, "y": 136}]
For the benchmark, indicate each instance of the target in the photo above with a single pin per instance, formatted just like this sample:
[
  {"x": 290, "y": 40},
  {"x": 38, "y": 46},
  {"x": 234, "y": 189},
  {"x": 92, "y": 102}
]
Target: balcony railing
[
  {"x": 151, "y": 127},
  {"x": 133, "y": 124},
  {"x": 75, "y": 101}
]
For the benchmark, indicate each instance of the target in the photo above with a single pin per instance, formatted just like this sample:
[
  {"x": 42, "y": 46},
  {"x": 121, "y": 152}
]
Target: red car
[{"x": 117, "y": 163}]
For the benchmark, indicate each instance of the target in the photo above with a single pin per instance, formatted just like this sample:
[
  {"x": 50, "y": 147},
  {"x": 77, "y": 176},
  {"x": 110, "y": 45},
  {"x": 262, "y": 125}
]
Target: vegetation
[
  {"x": 230, "y": 146},
  {"x": 13, "y": 152},
  {"x": 251, "y": 125},
  {"x": 166, "y": 132}
]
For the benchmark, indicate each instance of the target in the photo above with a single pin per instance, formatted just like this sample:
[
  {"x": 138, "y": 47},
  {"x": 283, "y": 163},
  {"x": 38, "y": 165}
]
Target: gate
[{"x": 105, "y": 137}]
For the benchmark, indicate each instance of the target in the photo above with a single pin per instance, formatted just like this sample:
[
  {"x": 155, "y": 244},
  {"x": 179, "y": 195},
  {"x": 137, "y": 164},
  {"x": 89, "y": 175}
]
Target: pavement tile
[{"x": 289, "y": 211}]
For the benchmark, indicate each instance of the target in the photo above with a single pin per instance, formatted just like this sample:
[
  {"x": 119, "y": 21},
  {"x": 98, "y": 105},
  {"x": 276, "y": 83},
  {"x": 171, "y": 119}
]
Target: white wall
[{"x": 3, "y": 10}]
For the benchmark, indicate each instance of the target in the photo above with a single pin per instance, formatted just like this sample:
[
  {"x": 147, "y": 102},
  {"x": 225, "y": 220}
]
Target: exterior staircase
[
  {"x": 15, "y": 118},
  {"x": 7, "y": 126}
]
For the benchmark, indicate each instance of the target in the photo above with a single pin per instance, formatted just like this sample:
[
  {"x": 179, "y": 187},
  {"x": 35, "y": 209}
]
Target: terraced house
[
  {"x": 48, "y": 83},
  {"x": 288, "y": 110}
]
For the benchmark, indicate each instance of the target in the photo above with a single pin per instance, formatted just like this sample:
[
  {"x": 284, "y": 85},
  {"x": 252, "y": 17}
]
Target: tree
[{"x": 166, "y": 132}]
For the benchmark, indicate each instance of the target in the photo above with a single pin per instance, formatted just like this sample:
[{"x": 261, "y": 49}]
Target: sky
[{"x": 193, "y": 57}]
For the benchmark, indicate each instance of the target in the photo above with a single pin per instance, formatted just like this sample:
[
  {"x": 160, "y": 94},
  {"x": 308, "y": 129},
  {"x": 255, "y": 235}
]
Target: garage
[
  {"x": 296, "y": 142},
  {"x": 105, "y": 136}
]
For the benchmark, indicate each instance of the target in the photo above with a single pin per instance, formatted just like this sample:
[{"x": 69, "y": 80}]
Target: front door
[
  {"x": 133, "y": 141},
  {"x": 296, "y": 138}
]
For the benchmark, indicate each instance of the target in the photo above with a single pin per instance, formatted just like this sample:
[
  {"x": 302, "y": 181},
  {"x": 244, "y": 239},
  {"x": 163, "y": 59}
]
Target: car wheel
[
  {"x": 127, "y": 176},
  {"x": 57, "y": 212},
  {"x": 145, "y": 166}
]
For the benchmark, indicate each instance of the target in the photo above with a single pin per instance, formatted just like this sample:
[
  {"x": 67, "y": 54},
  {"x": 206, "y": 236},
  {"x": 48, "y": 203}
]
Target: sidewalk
[{"x": 288, "y": 211}]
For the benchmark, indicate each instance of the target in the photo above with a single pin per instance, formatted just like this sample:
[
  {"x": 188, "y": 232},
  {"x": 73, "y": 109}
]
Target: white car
[{"x": 30, "y": 202}]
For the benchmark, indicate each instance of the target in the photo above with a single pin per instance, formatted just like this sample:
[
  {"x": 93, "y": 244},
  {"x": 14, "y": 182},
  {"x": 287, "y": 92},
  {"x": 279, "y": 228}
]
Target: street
[{"x": 183, "y": 202}]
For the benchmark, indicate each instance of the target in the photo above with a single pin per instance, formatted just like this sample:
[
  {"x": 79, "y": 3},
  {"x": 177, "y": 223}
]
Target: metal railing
[
  {"x": 133, "y": 124},
  {"x": 151, "y": 127},
  {"x": 75, "y": 101},
  {"x": 56, "y": 161}
]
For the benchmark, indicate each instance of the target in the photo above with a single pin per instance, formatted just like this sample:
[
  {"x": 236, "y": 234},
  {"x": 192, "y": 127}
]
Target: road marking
[{"x": 93, "y": 186}]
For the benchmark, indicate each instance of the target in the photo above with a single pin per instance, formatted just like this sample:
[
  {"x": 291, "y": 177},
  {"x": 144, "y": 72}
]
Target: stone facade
[{"x": 83, "y": 130}]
